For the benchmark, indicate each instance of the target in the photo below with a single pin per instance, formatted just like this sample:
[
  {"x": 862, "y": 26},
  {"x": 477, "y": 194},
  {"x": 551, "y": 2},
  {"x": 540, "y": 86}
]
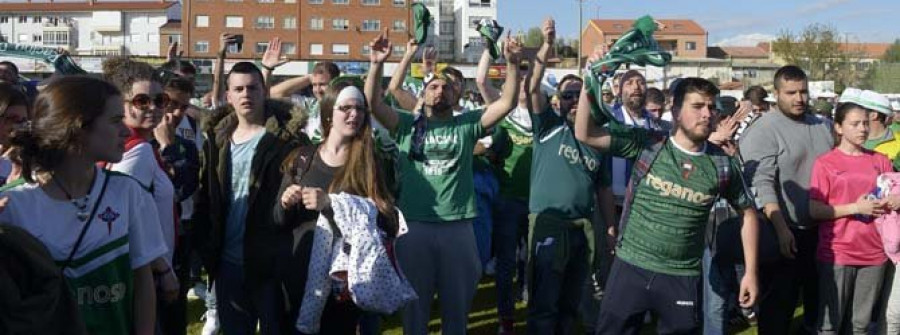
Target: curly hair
[{"x": 123, "y": 72}]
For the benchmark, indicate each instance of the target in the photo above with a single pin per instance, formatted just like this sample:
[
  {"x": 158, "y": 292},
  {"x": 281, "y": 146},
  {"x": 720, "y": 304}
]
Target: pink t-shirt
[{"x": 838, "y": 179}]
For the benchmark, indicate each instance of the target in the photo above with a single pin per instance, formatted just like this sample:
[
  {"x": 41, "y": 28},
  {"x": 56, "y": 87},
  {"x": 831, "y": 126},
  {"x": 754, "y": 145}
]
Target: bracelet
[{"x": 266, "y": 67}]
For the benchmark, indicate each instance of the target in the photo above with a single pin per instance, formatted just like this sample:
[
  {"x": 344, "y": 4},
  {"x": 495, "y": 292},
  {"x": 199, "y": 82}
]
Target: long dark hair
[{"x": 62, "y": 113}]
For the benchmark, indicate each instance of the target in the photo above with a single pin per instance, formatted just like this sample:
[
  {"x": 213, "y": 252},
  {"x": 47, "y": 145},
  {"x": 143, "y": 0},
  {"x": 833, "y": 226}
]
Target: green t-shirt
[
  {"x": 515, "y": 177},
  {"x": 666, "y": 227},
  {"x": 442, "y": 187},
  {"x": 564, "y": 172},
  {"x": 895, "y": 127}
]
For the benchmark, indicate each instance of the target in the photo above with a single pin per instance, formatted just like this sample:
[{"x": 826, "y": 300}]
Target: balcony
[{"x": 108, "y": 50}]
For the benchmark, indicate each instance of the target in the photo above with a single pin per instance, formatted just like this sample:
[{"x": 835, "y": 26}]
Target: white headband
[{"x": 350, "y": 92}]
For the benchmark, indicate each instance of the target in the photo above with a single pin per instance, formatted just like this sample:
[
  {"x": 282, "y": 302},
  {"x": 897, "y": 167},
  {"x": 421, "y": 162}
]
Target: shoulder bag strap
[{"x": 87, "y": 224}]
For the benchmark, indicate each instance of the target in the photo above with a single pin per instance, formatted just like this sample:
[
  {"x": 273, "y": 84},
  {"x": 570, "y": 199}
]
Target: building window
[
  {"x": 340, "y": 24},
  {"x": 174, "y": 39},
  {"x": 475, "y": 20},
  {"x": 265, "y": 22},
  {"x": 56, "y": 38},
  {"x": 315, "y": 49},
  {"x": 371, "y": 25},
  {"x": 399, "y": 50},
  {"x": 4, "y": 19},
  {"x": 201, "y": 46},
  {"x": 366, "y": 50},
  {"x": 445, "y": 46},
  {"x": 371, "y": 2},
  {"x": 201, "y": 21},
  {"x": 399, "y": 25},
  {"x": 36, "y": 19},
  {"x": 340, "y": 2},
  {"x": 234, "y": 22},
  {"x": 23, "y": 19},
  {"x": 690, "y": 45},
  {"x": 316, "y": 23},
  {"x": 24, "y": 38},
  {"x": 290, "y": 22},
  {"x": 37, "y": 38},
  {"x": 446, "y": 27},
  {"x": 290, "y": 1},
  {"x": 399, "y": 3},
  {"x": 479, "y": 3},
  {"x": 289, "y": 48},
  {"x": 266, "y": 1},
  {"x": 316, "y": 2},
  {"x": 261, "y": 47},
  {"x": 340, "y": 49},
  {"x": 235, "y": 48}
]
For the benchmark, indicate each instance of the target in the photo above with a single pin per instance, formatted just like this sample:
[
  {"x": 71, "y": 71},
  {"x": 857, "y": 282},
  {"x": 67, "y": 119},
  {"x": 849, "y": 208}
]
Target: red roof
[
  {"x": 865, "y": 50},
  {"x": 673, "y": 27},
  {"x": 85, "y": 6}
]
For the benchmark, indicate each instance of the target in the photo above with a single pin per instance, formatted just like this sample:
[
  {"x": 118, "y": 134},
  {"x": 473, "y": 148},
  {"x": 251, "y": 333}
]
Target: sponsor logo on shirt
[
  {"x": 573, "y": 156},
  {"x": 677, "y": 191},
  {"x": 101, "y": 294},
  {"x": 521, "y": 140}
]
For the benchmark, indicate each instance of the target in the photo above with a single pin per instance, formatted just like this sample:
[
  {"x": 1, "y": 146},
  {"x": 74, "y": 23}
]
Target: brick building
[
  {"x": 309, "y": 29},
  {"x": 683, "y": 38}
]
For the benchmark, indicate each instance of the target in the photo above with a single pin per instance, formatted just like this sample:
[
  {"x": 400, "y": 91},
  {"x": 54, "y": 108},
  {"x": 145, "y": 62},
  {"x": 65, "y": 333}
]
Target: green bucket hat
[
  {"x": 421, "y": 21},
  {"x": 490, "y": 31}
]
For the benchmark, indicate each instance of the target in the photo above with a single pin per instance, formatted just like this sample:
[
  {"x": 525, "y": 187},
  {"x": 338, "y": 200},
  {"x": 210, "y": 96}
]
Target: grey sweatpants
[
  {"x": 442, "y": 258},
  {"x": 847, "y": 297},
  {"x": 889, "y": 322}
]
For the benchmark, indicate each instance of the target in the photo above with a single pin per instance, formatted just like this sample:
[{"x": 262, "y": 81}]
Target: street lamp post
[{"x": 580, "y": 32}]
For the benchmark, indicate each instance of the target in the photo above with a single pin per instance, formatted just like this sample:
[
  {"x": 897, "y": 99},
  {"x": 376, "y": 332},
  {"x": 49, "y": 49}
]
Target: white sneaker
[
  {"x": 211, "y": 327},
  {"x": 198, "y": 291}
]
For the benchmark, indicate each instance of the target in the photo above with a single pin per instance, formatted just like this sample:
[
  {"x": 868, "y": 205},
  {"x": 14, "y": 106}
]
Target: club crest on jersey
[
  {"x": 109, "y": 216},
  {"x": 686, "y": 169}
]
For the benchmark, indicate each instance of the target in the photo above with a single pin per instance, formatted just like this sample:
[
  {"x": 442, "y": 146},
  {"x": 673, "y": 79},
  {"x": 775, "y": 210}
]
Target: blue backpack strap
[{"x": 639, "y": 170}]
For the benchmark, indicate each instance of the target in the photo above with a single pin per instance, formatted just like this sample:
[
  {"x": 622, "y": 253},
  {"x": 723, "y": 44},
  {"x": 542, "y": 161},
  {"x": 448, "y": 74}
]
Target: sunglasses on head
[
  {"x": 569, "y": 95},
  {"x": 143, "y": 101}
]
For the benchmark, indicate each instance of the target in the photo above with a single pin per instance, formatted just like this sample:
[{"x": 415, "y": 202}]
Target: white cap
[
  {"x": 867, "y": 99},
  {"x": 896, "y": 106}
]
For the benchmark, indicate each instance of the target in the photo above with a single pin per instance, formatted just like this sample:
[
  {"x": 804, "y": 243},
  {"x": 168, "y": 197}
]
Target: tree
[
  {"x": 817, "y": 50},
  {"x": 893, "y": 53},
  {"x": 534, "y": 37}
]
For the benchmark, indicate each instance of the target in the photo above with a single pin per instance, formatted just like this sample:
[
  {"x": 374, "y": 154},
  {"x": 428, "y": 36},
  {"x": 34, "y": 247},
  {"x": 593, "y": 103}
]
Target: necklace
[{"x": 81, "y": 203}]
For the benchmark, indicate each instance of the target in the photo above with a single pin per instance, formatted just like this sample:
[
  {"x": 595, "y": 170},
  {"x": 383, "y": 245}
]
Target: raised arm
[
  {"x": 406, "y": 99},
  {"x": 219, "y": 72},
  {"x": 272, "y": 59},
  {"x": 381, "y": 50},
  {"x": 586, "y": 130},
  {"x": 488, "y": 92},
  {"x": 496, "y": 111},
  {"x": 538, "y": 103}
]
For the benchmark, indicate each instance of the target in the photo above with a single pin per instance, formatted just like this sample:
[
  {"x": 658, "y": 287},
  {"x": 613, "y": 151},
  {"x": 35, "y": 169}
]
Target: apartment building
[
  {"x": 338, "y": 30},
  {"x": 89, "y": 27},
  {"x": 682, "y": 38}
]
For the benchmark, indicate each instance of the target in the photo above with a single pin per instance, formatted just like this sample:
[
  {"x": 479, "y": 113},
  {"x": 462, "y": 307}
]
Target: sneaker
[
  {"x": 506, "y": 327},
  {"x": 198, "y": 291},
  {"x": 211, "y": 327}
]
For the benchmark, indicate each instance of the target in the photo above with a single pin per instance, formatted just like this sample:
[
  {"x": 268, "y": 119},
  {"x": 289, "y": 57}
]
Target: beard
[
  {"x": 695, "y": 134},
  {"x": 635, "y": 104}
]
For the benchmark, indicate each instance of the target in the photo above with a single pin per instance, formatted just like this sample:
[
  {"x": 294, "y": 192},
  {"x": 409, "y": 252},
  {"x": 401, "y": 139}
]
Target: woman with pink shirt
[{"x": 851, "y": 255}]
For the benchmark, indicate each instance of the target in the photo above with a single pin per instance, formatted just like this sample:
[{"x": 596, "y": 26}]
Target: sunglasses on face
[
  {"x": 143, "y": 101},
  {"x": 348, "y": 108},
  {"x": 569, "y": 95}
]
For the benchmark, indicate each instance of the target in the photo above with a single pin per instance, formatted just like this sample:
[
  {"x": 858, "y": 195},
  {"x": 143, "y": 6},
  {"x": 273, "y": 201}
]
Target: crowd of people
[{"x": 321, "y": 203}]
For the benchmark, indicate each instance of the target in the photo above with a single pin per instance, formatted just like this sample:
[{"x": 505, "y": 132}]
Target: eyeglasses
[
  {"x": 569, "y": 95},
  {"x": 347, "y": 108},
  {"x": 143, "y": 101}
]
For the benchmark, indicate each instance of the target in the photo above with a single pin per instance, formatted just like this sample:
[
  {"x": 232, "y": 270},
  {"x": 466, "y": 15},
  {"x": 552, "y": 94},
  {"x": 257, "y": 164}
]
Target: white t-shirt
[
  {"x": 123, "y": 236},
  {"x": 140, "y": 163},
  {"x": 185, "y": 131},
  {"x": 126, "y": 211}
]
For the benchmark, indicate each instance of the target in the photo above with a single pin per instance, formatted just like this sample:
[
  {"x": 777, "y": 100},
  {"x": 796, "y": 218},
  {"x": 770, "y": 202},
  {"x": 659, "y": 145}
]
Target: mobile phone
[{"x": 239, "y": 39}]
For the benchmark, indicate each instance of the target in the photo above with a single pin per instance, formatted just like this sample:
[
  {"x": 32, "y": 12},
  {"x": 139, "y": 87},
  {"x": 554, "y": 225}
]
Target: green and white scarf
[{"x": 63, "y": 63}]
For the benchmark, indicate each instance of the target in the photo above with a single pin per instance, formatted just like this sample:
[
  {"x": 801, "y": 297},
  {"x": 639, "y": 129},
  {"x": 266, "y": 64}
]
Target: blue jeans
[
  {"x": 239, "y": 308},
  {"x": 513, "y": 214},
  {"x": 486, "y": 189},
  {"x": 720, "y": 290}
]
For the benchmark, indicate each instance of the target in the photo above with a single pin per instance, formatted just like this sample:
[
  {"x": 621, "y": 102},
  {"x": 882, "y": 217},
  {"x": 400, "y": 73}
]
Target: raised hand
[
  {"x": 512, "y": 50},
  {"x": 225, "y": 39},
  {"x": 173, "y": 52},
  {"x": 273, "y": 57},
  {"x": 381, "y": 48},
  {"x": 549, "y": 31},
  {"x": 411, "y": 47}
]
